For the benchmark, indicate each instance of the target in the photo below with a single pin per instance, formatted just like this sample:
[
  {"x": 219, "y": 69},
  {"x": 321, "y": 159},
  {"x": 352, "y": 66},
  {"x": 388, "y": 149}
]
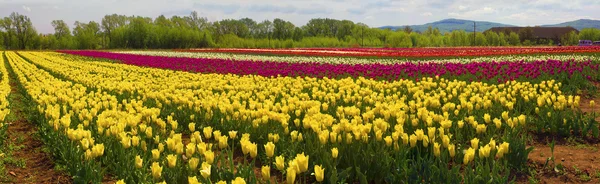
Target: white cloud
[
  {"x": 426, "y": 14},
  {"x": 26, "y": 8},
  {"x": 461, "y": 7}
]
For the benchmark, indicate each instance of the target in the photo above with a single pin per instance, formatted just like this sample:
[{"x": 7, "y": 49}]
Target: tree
[
  {"x": 526, "y": 34},
  {"x": 399, "y": 39},
  {"x": 62, "y": 38},
  {"x": 199, "y": 23},
  {"x": 112, "y": 22},
  {"x": 513, "y": 39},
  {"x": 251, "y": 25},
  {"x": 87, "y": 35},
  {"x": 61, "y": 29},
  {"x": 282, "y": 29},
  {"x": 20, "y": 26},
  {"x": 138, "y": 32},
  {"x": 264, "y": 29},
  {"x": 492, "y": 38},
  {"x": 570, "y": 39},
  {"x": 407, "y": 29},
  {"x": 589, "y": 34}
]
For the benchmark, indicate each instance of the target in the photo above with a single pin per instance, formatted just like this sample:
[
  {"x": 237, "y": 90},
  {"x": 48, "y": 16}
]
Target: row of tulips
[
  {"x": 92, "y": 131},
  {"x": 409, "y": 52},
  {"x": 434, "y": 130},
  {"x": 355, "y": 60},
  {"x": 575, "y": 74},
  {"x": 4, "y": 104}
]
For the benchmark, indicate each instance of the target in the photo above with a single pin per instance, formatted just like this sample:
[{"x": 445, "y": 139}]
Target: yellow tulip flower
[
  {"x": 171, "y": 160},
  {"x": 319, "y": 173},
  {"x": 269, "y": 149},
  {"x": 266, "y": 172},
  {"x": 156, "y": 170}
]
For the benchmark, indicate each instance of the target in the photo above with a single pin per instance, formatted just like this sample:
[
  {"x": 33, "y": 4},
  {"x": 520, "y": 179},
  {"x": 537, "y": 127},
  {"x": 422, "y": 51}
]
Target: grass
[{"x": 586, "y": 146}]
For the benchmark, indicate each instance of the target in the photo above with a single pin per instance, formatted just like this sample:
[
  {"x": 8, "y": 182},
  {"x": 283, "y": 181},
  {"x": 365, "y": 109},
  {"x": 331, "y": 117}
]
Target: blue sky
[{"x": 374, "y": 13}]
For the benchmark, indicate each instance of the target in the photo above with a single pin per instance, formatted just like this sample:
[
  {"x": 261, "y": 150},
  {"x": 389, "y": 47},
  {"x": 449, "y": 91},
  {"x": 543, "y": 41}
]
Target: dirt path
[{"x": 25, "y": 160}]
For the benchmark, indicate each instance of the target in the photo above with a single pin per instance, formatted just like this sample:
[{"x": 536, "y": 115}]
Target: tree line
[{"x": 135, "y": 32}]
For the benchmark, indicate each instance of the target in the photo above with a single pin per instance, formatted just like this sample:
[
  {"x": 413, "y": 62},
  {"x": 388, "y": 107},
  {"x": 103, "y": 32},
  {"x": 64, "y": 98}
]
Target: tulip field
[{"x": 304, "y": 115}]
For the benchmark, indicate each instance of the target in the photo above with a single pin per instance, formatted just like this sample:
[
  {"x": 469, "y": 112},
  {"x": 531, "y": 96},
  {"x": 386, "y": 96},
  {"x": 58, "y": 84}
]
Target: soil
[
  {"x": 575, "y": 161},
  {"x": 574, "y": 164},
  {"x": 39, "y": 167}
]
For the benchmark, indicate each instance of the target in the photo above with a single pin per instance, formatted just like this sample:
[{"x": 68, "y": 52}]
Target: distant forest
[{"x": 135, "y": 32}]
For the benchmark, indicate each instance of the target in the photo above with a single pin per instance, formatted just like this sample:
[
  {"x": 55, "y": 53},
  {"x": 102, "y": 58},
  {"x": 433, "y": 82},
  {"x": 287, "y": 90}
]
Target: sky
[{"x": 374, "y": 13}]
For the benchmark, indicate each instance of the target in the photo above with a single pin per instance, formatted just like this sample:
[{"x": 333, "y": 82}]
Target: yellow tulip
[
  {"x": 193, "y": 163},
  {"x": 156, "y": 170},
  {"x": 487, "y": 118},
  {"x": 232, "y": 134},
  {"x": 431, "y": 132},
  {"x": 223, "y": 142},
  {"x": 290, "y": 175},
  {"x": 413, "y": 140},
  {"x": 209, "y": 156},
  {"x": 120, "y": 182},
  {"x": 388, "y": 141},
  {"x": 420, "y": 134},
  {"x": 280, "y": 162},
  {"x": 155, "y": 154},
  {"x": 502, "y": 149},
  {"x": 171, "y": 160},
  {"x": 481, "y": 128},
  {"x": 497, "y": 122},
  {"x": 207, "y": 132},
  {"x": 319, "y": 173},
  {"x": 201, "y": 148},
  {"x": 492, "y": 144},
  {"x": 484, "y": 151},
  {"x": 451, "y": 150},
  {"x": 474, "y": 143},
  {"x": 179, "y": 148},
  {"x": 135, "y": 140},
  {"x": 436, "y": 149},
  {"x": 205, "y": 170},
  {"x": 85, "y": 143},
  {"x": 98, "y": 150},
  {"x": 217, "y": 134},
  {"x": 193, "y": 180},
  {"x": 266, "y": 172},
  {"x": 138, "y": 162},
  {"x": 469, "y": 156},
  {"x": 192, "y": 127},
  {"x": 334, "y": 153},
  {"x": 190, "y": 149},
  {"x": 238, "y": 180},
  {"x": 269, "y": 149},
  {"x": 302, "y": 161}
]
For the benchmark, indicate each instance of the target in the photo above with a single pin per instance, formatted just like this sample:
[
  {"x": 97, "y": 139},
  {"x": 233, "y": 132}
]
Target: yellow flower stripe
[
  {"x": 4, "y": 91},
  {"x": 202, "y": 93}
]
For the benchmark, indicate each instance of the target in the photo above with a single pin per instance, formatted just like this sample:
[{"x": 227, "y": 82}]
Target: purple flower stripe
[{"x": 500, "y": 71}]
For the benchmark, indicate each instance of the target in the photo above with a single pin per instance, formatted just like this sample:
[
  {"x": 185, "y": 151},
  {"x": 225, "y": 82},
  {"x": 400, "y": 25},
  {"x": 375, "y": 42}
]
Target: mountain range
[{"x": 448, "y": 25}]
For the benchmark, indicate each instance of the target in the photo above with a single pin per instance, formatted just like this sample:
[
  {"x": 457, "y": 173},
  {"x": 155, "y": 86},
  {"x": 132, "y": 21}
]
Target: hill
[
  {"x": 578, "y": 24},
  {"x": 448, "y": 25}
]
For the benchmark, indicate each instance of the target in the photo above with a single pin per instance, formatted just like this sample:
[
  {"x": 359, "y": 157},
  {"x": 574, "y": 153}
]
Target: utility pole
[
  {"x": 362, "y": 32},
  {"x": 474, "y": 33}
]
